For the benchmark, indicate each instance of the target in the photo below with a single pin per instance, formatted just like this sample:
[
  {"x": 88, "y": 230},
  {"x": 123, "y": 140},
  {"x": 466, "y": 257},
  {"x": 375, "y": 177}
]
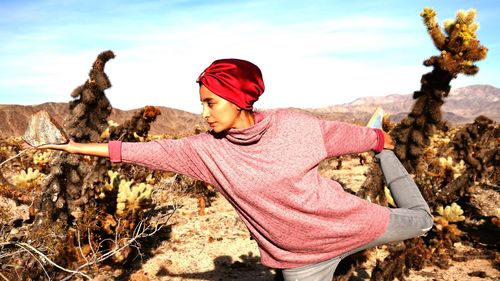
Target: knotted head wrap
[{"x": 235, "y": 80}]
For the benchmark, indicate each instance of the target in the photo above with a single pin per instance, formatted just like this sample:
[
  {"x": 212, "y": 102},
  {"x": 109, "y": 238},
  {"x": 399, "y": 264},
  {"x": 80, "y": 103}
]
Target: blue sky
[{"x": 311, "y": 53}]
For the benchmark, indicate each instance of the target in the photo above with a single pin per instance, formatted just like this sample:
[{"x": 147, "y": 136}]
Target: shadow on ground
[{"x": 249, "y": 269}]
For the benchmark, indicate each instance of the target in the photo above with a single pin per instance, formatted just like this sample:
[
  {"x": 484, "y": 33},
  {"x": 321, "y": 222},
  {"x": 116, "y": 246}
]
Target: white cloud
[{"x": 162, "y": 67}]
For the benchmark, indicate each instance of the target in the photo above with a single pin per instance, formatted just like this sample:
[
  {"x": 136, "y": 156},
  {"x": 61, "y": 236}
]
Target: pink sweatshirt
[{"x": 269, "y": 173}]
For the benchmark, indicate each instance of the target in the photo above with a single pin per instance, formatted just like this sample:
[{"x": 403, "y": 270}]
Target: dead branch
[
  {"x": 140, "y": 231},
  {"x": 15, "y": 156},
  {"x": 31, "y": 250}
]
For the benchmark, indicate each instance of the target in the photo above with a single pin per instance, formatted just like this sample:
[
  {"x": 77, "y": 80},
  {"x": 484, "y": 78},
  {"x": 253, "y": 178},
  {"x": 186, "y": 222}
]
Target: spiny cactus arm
[
  {"x": 470, "y": 69},
  {"x": 429, "y": 17},
  {"x": 101, "y": 60},
  {"x": 431, "y": 61},
  {"x": 473, "y": 54},
  {"x": 462, "y": 42},
  {"x": 97, "y": 76},
  {"x": 476, "y": 53},
  {"x": 466, "y": 17}
]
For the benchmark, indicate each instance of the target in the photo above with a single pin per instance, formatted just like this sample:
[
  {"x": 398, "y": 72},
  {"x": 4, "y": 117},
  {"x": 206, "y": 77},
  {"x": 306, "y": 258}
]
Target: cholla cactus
[
  {"x": 150, "y": 179},
  {"x": 7, "y": 145},
  {"x": 70, "y": 184},
  {"x": 128, "y": 196},
  {"x": 459, "y": 50},
  {"x": 29, "y": 178},
  {"x": 41, "y": 158},
  {"x": 112, "y": 184},
  {"x": 459, "y": 47},
  {"x": 451, "y": 168},
  {"x": 132, "y": 197},
  {"x": 137, "y": 128},
  {"x": 91, "y": 107},
  {"x": 70, "y": 190},
  {"x": 452, "y": 213},
  {"x": 111, "y": 124}
]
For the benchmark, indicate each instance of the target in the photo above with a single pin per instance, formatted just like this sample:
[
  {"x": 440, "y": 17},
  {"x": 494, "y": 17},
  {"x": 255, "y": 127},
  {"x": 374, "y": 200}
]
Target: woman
[{"x": 266, "y": 165}]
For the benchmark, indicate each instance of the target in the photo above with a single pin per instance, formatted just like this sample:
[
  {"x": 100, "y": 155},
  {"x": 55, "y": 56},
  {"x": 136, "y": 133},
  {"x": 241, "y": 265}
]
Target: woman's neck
[{"x": 245, "y": 119}]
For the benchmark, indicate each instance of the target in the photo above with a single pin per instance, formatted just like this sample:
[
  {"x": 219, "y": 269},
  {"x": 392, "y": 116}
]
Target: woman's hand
[
  {"x": 388, "y": 142},
  {"x": 63, "y": 147}
]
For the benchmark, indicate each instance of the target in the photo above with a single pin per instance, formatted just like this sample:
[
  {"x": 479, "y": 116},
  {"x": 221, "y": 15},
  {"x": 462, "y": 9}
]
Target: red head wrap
[{"x": 235, "y": 80}]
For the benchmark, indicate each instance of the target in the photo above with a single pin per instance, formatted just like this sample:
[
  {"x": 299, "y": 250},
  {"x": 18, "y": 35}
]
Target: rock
[
  {"x": 43, "y": 129},
  {"x": 486, "y": 200},
  {"x": 10, "y": 212}
]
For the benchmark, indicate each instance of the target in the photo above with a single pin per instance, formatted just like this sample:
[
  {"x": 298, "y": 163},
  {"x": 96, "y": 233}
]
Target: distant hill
[
  {"x": 463, "y": 105},
  {"x": 14, "y": 118}
]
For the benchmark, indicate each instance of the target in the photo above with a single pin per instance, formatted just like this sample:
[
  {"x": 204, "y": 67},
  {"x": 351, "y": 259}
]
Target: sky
[{"x": 312, "y": 53}]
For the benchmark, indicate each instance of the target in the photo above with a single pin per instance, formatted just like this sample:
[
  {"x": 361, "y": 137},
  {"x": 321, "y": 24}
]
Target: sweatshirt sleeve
[
  {"x": 177, "y": 156},
  {"x": 343, "y": 138}
]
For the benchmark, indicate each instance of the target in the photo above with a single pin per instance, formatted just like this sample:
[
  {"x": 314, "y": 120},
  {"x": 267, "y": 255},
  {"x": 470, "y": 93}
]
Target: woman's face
[{"x": 220, "y": 114}]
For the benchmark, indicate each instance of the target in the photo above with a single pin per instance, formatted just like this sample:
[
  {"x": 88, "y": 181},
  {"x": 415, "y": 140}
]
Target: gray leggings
[{"x": 413, "y": 218}]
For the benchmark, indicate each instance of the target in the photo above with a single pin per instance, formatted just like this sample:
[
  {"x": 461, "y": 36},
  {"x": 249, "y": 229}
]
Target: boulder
[{"x": 43, "y": 129}]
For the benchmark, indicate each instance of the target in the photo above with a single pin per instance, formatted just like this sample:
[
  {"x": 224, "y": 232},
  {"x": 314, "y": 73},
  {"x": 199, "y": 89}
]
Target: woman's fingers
[
  {"x": 388, "y": 142},
  {"x": 26, "y": 145}
]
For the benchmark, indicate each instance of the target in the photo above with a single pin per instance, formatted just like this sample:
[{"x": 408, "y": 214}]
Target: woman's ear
[{"x": 237, "y": 107}]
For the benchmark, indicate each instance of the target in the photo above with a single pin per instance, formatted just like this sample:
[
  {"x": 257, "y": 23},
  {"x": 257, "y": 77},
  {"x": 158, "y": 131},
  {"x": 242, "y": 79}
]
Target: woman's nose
[{"x": 204, "y": 113}]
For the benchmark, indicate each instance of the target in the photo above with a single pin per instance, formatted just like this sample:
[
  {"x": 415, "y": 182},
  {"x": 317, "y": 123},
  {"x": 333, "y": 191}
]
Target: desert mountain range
[
  {"x": 462, "y": 105},
  {"x": 14, "y": 118}
]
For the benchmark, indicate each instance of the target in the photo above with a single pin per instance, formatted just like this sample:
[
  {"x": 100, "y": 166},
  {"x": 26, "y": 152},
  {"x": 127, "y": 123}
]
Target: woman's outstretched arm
[
  {"x": 93, "y": 149},
  {"x": 178, "y": 156}
]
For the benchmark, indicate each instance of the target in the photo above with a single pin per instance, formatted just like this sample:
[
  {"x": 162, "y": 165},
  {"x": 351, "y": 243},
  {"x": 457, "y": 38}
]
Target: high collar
[{"x": 253, "y": 133}]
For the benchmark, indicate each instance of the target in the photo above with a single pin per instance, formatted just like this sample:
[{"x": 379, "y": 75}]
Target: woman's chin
[{"x": 216, "y": 130}]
